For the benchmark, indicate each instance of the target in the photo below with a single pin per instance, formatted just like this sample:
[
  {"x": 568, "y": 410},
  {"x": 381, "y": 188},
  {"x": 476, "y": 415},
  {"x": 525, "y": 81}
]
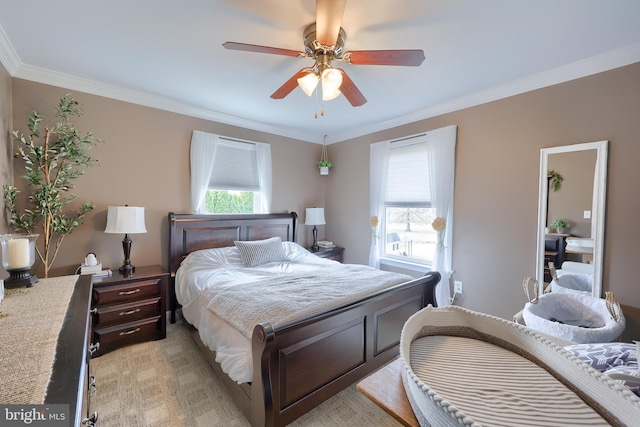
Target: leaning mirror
[{"x": 571, "y": 211}]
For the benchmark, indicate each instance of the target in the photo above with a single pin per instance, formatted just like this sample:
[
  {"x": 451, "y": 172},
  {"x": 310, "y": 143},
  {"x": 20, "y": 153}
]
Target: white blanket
[
  {"x": 279, "y": 299},
  {"x": 207, "y": 273}
]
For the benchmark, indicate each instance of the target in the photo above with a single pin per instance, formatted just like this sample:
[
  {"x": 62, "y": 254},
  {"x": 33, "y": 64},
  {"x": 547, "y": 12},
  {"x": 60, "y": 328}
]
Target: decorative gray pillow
[
  {"x": 602, "y": 356},
  {"x": 257, "y": 252}
]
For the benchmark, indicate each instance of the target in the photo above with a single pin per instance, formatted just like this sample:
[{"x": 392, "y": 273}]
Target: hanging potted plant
[
  {"x": 324, "y": 164},
  {"x": 555, "y": 180}
]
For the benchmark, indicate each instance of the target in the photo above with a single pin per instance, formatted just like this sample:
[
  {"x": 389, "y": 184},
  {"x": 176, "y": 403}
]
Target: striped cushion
[
  {"x": 496, "y": 387},
  {"x": 258, "y": 252}
]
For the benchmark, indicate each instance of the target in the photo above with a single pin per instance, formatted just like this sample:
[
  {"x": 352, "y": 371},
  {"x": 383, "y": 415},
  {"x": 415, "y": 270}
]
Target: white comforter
[{"x": 204, "y": 275}]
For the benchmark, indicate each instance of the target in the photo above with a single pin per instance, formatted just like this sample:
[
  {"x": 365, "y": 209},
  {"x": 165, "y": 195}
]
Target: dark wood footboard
[{"x": 299, "y": 365}]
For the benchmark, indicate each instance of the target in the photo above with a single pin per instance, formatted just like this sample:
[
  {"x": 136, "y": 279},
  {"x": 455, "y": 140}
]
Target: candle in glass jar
[{"x": 18, "y": 254}]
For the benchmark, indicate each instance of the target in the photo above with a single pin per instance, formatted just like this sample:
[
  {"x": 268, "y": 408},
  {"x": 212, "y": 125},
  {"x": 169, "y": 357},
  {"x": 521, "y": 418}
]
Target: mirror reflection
[{"x": 571, "y": 216}]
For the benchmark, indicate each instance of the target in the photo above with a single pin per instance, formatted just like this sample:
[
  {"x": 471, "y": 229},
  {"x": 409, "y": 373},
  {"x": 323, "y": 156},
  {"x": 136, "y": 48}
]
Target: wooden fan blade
[
  {"x": 329, "y": 15},
  {"x": 350, "y": 91},
  {"x": 261, "y": 49},
  {"x": 289, "y": 85},
  {"x": 412, "y": 57}
]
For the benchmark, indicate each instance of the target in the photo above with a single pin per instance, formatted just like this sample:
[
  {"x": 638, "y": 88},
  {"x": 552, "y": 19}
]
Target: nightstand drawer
[
  {"x": 128, "y": 312},
  {"x": 112, "y": 337},
  {"x": 126, "y": 292},
  {"x": 129, "y": 308},
  {"x": 336, "y": 253}
]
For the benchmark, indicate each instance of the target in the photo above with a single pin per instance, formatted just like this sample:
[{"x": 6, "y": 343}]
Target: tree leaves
[{"x": 55, "y": 153}]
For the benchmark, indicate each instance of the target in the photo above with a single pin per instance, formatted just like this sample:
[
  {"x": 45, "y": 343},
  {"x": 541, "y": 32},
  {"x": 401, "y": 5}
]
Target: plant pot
[
  {"x": 562, "y": 230},
  {"x": 324, "y": 170}
]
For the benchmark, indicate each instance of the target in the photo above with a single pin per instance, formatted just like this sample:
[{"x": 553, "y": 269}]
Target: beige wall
[
  {"x": 6, "y": 170},
  {"x": 145, "y": 162},
  {"x": 496, "y": 186}
]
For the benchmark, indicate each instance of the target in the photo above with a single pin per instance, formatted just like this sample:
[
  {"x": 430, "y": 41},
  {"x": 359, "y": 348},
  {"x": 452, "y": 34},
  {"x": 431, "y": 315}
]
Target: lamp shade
[
  {"x": 314, "y": 216},
  {"x": 125, "y": 220},
  {"x": 308, "y": 83}
]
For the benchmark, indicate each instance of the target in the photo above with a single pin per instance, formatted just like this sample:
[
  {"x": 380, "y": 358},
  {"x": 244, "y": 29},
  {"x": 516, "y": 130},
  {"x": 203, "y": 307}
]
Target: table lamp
[
  {"x": 314, "y": 216},
  {"x": 18, "y": 256},
  {"x": 125, "y": 220}
]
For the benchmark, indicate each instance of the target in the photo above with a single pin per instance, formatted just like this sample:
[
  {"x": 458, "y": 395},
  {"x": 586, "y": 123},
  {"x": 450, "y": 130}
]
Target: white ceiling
[{"x": 168, "y": 54}]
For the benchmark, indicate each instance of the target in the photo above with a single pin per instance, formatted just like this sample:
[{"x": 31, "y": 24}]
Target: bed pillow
[
  {"x": 603, "y": 356},
  {"x": 256, "y": 252}
]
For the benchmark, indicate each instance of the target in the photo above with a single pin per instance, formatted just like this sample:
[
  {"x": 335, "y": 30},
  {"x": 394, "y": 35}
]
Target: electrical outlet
[
  {"x": 587, "y": 215},
  {"x": 457, "y": 287}
]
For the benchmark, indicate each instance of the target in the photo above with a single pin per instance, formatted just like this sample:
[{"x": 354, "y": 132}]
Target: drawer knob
[
  {"x": 135, "y": 291},
  {"x": 130, "y": 331},
  {"x": 129, "y": 313},
  {"x": 94, "y": 347},
  {"x": 91, "y": 421},
  {"x": 92, "y": 385}
]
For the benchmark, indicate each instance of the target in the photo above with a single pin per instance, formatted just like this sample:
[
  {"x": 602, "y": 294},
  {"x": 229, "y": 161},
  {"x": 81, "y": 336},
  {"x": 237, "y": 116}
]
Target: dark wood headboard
[{"x": 188, "y": 232}]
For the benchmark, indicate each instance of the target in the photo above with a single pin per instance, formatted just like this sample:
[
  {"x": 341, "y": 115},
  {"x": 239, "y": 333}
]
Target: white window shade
[
  {"x": 408, "y": 176},
  {"x": 235, "y": 167}
]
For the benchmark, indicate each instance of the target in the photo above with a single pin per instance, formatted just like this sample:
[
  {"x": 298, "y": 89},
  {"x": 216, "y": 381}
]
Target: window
[
  {"x": 407, "y": 205},
  {"x": 234, "y": 178},
  {"x": 229, "y": 175},
  {"x": 412, "y": 182},
  {"x": 408, "y": 233},
  {"x": 223, "y": 201}
]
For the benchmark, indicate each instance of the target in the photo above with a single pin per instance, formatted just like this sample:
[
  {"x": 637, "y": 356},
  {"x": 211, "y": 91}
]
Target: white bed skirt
[{"x": 466, "y": 368}]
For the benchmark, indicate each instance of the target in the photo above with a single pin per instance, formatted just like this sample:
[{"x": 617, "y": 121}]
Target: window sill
[{"x": 406, "y": 265}]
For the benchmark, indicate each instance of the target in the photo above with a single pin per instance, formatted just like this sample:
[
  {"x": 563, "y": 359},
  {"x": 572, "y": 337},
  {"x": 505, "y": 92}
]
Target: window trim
[{"x": 403, "y": 263}]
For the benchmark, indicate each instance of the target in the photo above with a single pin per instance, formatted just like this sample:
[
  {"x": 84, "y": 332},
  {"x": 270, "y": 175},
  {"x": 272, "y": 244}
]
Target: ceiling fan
[{"x": 324, "y": 42}]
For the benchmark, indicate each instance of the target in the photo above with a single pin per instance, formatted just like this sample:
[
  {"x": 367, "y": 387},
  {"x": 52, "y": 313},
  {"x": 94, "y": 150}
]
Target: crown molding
[
  {"x": 54, "y": 78},
  {"x": 594, "y": 65},
  {"x": 8, "y": 56}
]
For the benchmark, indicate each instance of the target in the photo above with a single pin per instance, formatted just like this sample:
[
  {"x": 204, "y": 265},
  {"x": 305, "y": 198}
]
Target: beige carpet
[{"x": 169, "y": 383}]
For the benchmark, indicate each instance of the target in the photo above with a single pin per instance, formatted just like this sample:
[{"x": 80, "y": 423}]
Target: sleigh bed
[{"x": 301, "y": 362}]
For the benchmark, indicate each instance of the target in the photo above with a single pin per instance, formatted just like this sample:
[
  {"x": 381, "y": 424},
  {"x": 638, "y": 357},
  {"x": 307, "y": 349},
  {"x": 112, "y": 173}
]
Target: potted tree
[{"x": 55, "y": 153}]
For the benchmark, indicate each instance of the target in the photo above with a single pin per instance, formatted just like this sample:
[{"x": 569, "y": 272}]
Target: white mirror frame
[{"x": 598, "y": 208}]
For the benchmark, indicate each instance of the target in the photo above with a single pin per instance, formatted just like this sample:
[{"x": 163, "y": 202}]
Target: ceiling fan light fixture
[
  {"x": 331, "y": 80},
  {"x": 309, "y": 83},
  {"x": 329, "y": 94}
]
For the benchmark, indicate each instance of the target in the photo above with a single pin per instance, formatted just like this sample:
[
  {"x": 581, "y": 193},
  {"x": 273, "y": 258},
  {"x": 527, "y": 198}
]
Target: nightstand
[
  {"x": 128, "y": 310},
  {"x": 336, "y": 253}
]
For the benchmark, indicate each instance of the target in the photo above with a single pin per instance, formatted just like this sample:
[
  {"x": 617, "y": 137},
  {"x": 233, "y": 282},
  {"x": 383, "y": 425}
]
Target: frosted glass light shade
[
  {"x": 308, "y": 83},
  {"x": 328, "y": 95},
  {"x": 331, "y": 79},
  {"x": 125, "y": 220},
  {"x": 314, "y": 216}
]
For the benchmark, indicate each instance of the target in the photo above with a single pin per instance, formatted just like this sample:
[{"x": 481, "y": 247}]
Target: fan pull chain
[{"x": 316, "y": 112}]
